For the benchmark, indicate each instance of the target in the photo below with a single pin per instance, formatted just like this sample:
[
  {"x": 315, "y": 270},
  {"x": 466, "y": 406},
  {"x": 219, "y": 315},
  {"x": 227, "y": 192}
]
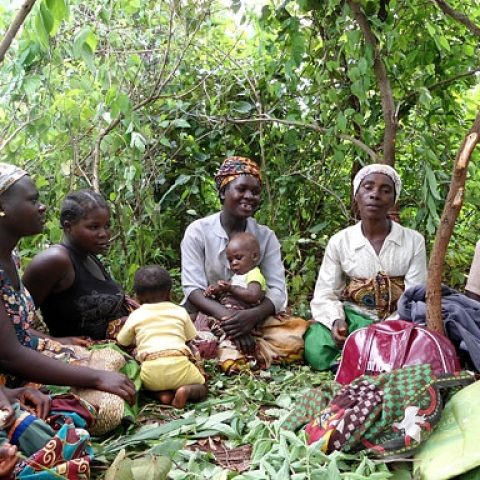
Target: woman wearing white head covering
[
  {"x": 21, "y": 215},
  {"x": 365, "y": 268}
]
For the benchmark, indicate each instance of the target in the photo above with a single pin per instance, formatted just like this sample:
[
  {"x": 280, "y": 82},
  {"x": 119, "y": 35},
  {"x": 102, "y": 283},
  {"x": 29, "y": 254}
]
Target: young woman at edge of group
[
  {"x": 472, "y": 288},
  {"x": 365, "y": 269},
  {"x": 21, "y": 215}
]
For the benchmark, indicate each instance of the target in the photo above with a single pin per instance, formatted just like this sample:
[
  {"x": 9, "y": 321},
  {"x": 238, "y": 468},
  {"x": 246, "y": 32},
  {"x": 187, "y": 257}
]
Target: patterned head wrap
[
  {"x": 233, "y": 167},
  {"x": 378, "y": 168},
  {"x": 9, "y": 174}
]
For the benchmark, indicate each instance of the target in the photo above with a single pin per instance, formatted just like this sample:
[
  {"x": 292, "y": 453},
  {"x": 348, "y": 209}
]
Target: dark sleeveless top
[{"x": 87, "y": 306}]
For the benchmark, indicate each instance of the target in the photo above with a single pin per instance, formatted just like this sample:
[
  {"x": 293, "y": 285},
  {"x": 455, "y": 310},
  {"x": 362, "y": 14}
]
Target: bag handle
[
  {"x": 401, "y": 346},
  {"x": 365, "y": 351}
]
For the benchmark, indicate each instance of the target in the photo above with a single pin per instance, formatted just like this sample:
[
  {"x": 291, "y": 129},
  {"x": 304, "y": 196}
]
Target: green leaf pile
[{"x": 242, "y": 410}]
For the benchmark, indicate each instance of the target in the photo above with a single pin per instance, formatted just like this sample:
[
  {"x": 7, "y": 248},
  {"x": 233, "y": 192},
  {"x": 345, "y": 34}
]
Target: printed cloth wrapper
[
  {"x": 376, "y": 297},
  {"x": 66, "y": 455},
  {"x": 278, "y": 340},
  {"x": 389, "y": 415},
  {"x": 57, "y": 447}
]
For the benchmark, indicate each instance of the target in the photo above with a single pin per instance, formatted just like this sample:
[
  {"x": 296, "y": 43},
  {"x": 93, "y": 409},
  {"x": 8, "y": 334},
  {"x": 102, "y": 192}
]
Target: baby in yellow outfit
[{"x": 160, "y": 330}]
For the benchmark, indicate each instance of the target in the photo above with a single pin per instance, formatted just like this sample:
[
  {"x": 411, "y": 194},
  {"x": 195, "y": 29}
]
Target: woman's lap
[
  {"x": 320, "y": 348},
  {"x": 278, "y": 340}
]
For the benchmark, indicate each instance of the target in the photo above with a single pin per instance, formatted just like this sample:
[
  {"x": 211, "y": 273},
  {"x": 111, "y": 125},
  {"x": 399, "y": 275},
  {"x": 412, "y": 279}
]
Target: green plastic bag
[{"x": 453, "y": 448}]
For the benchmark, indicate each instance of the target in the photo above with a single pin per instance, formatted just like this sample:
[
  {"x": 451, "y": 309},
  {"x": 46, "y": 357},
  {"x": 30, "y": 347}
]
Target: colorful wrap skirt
[
  {"x": 57, "y": 447},
  {"x": 278, "y": 340}
]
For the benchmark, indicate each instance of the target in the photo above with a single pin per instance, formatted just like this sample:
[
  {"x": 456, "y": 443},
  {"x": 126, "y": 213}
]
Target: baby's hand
[
  {"x": 224, "y": 286},
  {"x": 8, "y": 459}
]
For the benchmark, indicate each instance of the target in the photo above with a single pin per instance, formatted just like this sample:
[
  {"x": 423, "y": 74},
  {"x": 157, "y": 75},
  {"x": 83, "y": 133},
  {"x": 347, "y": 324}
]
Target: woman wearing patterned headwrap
[
  {"x": 365, "y": 268},
  {"x": 239, "y": 337}
]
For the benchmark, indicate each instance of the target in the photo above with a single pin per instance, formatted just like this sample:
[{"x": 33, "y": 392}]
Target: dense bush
[{"x": 144, "y": 99}]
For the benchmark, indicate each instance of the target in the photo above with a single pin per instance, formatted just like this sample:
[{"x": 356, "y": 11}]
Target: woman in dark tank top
[{"x": 75, "y": 293}]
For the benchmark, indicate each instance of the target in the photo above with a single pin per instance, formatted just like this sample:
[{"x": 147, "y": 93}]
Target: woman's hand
[
  {"x": 8, "y": 459},
  {"x": 79, "y": 341},
  {"x": 116, "y": 383},
  {"x": 239, "y": 322},
  {"x": 246, "y": 344},
  {"x": 339, "y": 332},
  {"x": 34, "y": 400}
]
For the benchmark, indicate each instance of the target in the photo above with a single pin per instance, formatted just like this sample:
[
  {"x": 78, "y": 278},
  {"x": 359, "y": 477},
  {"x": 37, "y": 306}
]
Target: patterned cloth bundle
[{"x": 388, "y": 415}]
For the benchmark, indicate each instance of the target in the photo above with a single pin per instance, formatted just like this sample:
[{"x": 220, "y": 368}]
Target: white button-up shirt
[
  {"x": 473, "y": 282},
  {"x": 204, "y": 260},
  {"x": 350, "y": 255}
]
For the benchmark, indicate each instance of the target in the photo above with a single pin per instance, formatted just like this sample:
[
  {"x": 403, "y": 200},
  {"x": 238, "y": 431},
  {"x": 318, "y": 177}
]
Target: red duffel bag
[{"x": 386, "y": 346}]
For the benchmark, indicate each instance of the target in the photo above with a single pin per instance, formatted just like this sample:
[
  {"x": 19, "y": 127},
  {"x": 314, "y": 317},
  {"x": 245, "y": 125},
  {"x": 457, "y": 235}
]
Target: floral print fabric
[{"x": 19, "y": 306}]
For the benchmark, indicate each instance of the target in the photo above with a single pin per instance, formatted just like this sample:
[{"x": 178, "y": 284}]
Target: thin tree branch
[
  {"x": 448, "y": 81},
  {"x": 411, "y": 98},
  {"x": 156, "y": 93},
  {"x": 341, "y": 204},
  {"x": 452, "y": 207},
  {"x": 388, "y": 105},
  {"x": 310, "y": 126},
  {"x": 14, "y": 27},
  {"x": 15, "y": 132},
  {"x": 166, "y": 55},
  {"x": 458, "y": 16},
  {"x": 150, "y": 99},
  {"x": 96, "y": 152},
  {"x": 263, "y": 162},
  {"x": 435, "y": 86},
  {"x": 6, "y": 128},
  {"x": 201, "y": 82}
]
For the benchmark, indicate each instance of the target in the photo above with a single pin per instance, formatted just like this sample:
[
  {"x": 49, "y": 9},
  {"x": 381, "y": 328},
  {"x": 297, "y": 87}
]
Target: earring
[{"x": 2, "y": 214}]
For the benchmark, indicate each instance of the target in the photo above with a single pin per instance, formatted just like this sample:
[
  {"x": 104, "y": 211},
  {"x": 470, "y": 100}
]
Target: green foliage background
[{"x": 147, "y": 97}]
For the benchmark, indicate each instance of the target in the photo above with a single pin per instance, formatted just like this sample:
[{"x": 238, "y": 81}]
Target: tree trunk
[
  {"x": 453, "y": 204},
  {"x": 14, "y": 27},
  {"x": 386, "y": 93}
]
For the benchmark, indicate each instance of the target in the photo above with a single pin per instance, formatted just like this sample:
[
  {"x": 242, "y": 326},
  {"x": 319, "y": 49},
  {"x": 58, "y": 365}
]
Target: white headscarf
[
  {"x": 378, "y": 168},
  {"x": 9, "y": 174}
]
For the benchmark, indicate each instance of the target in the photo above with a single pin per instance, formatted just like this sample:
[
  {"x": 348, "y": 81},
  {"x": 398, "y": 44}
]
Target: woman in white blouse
[{"x": 365, "y": 268}]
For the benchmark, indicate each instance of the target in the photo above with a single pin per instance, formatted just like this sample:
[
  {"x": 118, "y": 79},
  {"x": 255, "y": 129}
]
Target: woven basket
[{"x": 110, "y": 407}]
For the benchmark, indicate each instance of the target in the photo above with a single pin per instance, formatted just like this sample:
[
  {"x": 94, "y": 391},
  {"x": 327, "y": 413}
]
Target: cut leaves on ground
[{"x": 235, "y": 433}]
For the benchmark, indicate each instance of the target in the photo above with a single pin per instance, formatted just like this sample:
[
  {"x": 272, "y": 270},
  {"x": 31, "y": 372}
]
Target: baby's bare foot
[
  {"x": 165, "y": 397},
  {"x": 192, "y": 393},
  {"x": 181, "y": 397}
]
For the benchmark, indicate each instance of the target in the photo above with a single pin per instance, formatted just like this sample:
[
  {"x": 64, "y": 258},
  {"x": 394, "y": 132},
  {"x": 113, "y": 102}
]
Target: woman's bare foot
[
  {"x": 189, "y": 392},
  {"x": 164, "y": 396}
]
